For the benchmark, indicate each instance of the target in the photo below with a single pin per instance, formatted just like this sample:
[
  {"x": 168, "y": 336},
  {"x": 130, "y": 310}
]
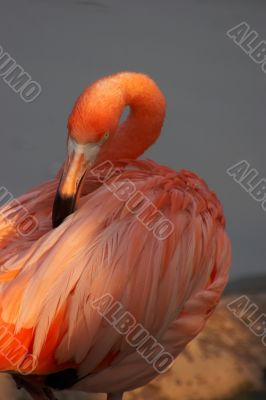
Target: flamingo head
[
  {"x": 95, "y": 133},
  {"x": 91, "y": 126}
]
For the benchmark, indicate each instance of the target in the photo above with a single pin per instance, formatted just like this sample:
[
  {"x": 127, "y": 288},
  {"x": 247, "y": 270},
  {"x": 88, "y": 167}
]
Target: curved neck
[{"x": 144, "y": 122}]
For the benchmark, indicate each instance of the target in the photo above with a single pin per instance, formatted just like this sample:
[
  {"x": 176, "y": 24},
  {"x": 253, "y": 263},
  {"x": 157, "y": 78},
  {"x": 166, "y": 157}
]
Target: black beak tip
[{"x": 62, "y": 208}]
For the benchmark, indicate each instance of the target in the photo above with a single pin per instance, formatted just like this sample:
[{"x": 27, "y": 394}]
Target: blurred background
[{"x": 215, "y": 117}]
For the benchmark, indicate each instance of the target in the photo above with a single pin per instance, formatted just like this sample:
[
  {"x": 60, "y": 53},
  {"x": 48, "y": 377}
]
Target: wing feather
[{"x": 170, "y": 286}]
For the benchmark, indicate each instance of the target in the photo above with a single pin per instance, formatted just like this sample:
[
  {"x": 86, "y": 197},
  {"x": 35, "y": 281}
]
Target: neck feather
[{"x": 144, "y": 122}]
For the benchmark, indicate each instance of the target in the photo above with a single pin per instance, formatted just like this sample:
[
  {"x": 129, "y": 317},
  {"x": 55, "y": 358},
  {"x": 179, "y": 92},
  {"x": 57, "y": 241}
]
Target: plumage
[{"x": 50, "y": 279}]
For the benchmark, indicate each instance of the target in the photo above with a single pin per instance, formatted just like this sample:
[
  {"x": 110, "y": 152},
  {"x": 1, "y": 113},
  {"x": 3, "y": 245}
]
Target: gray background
[{"x": 216, "y": 94}]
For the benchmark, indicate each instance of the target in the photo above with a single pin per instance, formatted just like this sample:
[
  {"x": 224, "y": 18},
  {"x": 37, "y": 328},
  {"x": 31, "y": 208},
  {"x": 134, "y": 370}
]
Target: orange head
[
  {"x": 96, "y": 135},
  {"x": 96, "y": 112}
]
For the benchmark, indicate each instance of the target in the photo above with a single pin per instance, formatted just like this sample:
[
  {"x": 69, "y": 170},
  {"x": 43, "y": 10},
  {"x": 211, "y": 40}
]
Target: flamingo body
[{"x": 50, "y": 279}]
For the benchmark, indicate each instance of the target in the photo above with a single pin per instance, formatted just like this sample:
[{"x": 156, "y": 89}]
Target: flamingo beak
[{"x": 80, "y": 158}]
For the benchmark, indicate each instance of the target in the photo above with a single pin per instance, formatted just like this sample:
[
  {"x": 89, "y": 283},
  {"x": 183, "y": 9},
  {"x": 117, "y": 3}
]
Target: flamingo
[{"x": 117, "y": 239}]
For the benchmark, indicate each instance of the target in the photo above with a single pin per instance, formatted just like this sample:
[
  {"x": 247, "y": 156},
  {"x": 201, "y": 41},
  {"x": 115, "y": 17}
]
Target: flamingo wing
[{"x": 111, "y": 247}]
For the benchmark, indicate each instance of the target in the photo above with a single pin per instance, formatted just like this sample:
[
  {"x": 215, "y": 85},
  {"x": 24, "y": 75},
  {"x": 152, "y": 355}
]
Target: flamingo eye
[{"x": 106, "y": 136}]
